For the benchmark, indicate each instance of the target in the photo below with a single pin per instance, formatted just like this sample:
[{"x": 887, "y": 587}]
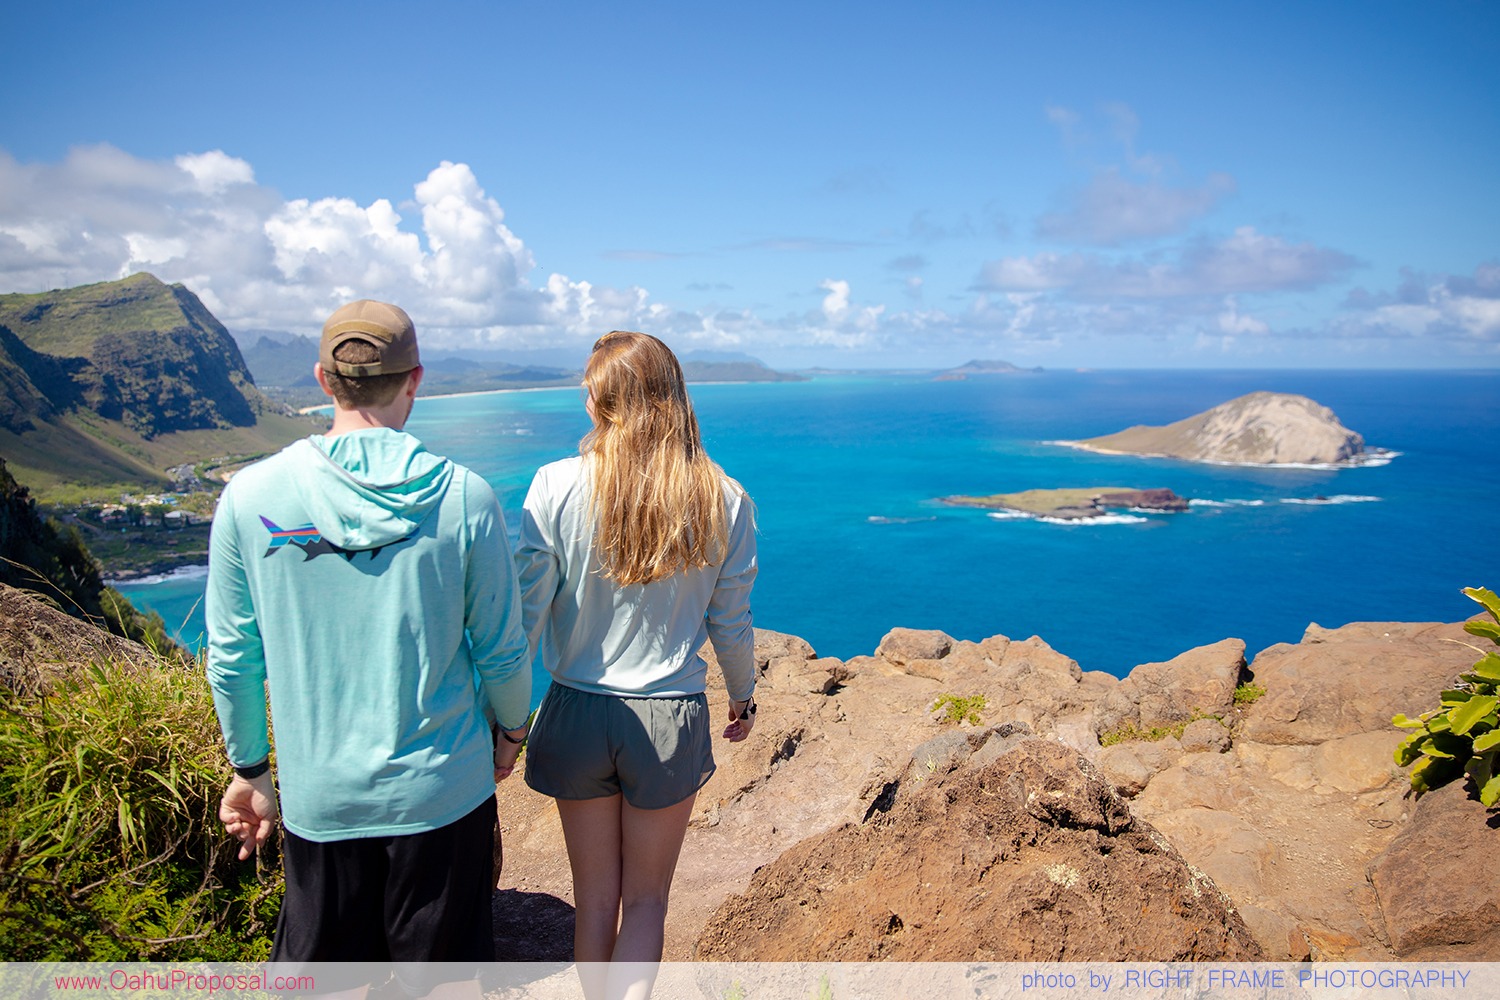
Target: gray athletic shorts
[{"x": 654, "y": 751}]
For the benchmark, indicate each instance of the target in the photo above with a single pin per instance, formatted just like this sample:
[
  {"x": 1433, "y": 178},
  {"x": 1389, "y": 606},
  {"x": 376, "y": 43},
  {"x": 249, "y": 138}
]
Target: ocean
[{"x": 846, "y": 470}]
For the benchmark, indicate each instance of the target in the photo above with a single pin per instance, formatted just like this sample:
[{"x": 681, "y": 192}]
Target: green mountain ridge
[{"x": 112, "y": 383}]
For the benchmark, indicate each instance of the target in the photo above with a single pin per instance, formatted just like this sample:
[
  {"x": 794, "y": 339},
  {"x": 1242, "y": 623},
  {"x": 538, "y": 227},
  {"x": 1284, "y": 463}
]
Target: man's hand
[
  {"x": 506, "y": 753},
  {"x": 248, "y": 811}
]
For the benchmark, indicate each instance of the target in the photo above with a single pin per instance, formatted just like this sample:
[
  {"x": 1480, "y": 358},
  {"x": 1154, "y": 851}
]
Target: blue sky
[{"x": 840, "y": 184}]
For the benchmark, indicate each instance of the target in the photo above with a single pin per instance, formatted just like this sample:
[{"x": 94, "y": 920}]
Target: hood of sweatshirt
[{"x": 369, "y": 488}]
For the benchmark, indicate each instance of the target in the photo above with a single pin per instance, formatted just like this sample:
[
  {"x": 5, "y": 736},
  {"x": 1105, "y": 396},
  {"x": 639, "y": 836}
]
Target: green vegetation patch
[
  {"x": 1248, "y": 693},
  {"x": 1041, "y": 502},
  {"x": 956, "y": 709},
  {"x": 1128, "y": 731},
  {"x": 110, "y": 845}
]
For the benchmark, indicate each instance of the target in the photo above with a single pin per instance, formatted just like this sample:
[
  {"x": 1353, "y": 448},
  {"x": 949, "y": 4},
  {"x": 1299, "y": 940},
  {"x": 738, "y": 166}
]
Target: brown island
[{"x": 1076, "y": 504}]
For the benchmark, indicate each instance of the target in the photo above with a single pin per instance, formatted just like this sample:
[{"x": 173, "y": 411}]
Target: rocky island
[
  {"x": 1261, "y": 428},
  {"x": 1076, "y": 504},
  {"x": 981, "y": 366}
]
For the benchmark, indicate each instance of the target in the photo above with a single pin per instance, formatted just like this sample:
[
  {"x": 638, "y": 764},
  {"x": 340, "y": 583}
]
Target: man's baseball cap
[{"x": 382, "y": 324}]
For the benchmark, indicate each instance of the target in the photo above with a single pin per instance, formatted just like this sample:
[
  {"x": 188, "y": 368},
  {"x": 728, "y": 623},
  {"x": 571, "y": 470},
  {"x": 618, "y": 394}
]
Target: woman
[{"x": 631, "y": 555}]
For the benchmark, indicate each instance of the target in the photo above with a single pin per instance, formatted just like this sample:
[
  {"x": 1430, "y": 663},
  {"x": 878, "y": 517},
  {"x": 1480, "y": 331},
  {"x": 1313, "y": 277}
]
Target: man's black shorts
[{"x": 422, "y": 897}]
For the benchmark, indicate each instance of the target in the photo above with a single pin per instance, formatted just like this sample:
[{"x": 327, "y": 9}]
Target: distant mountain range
[
  {"x": 114, "y": 383},
  {"x": 131, "y": 383},
  {"x": 282, "y": 365}
]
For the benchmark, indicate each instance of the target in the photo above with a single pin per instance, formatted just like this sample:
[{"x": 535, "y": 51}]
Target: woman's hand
[
  {"x": 507, "y": 751},
  {"x": 741, "y": 719}
]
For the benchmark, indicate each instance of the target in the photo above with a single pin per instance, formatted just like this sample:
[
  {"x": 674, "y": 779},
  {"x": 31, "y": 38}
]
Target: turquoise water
[{"x": 845, "y": 470}]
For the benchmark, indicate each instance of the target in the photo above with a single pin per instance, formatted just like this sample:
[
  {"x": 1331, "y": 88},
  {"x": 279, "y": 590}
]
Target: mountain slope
[{"x": 112, "y": 382}]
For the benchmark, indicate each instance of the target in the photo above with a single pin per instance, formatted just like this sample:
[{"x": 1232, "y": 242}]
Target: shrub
[
  {"x": 110, "y": 844},
  {"x": 956, "y": 709},
  {"x": 1248, "y": 693},
  {"x": 1462, "y": 735}
]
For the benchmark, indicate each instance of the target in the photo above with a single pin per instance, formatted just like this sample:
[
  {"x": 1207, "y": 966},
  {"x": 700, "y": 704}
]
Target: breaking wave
[
  {"x": 1101, "y": 519},
  {"x": 181, "y": 573},
  {"x": 1339, "y": 498}
]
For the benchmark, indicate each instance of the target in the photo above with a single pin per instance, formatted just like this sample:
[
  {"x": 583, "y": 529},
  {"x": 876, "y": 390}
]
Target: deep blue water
[{"x": 845, "y": 469}]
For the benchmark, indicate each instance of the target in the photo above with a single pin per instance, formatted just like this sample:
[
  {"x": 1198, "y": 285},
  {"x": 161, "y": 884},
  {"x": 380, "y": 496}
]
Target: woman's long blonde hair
[{"x": 657, "y": 498}]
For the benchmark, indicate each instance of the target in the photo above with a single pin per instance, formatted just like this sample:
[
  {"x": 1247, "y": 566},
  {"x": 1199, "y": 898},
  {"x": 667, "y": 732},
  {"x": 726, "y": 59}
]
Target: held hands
[
  {"x": 506, "y": 752},
  {"x": 248, "y": 811},
  {"x": 741, "y": 720}
]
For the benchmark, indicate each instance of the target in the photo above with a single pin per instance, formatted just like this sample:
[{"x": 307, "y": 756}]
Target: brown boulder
[
  {"x": 902, "y": 645},
  {"x": 1438, "y": 885},
  {"x": 1024, "y": 855},
  {"x": 1352, "y": 680},
  {"x": 1155, "y": 694}
]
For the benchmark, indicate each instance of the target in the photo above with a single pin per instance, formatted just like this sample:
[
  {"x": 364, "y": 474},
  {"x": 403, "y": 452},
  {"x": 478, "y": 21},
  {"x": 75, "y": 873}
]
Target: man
[{"x": 369, "y": 585}]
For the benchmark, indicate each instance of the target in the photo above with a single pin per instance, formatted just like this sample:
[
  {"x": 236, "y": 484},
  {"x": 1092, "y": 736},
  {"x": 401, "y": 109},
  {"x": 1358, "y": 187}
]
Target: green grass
[
  {"x": 957, "y": 709},
  {"x": 1129, "y": 731},
  {"x": 110, "y": 845},
  {"x": 67, "y": 322},
  {"x": 84, "y": 457},
  {"x": 1040, "y": 502},
  {"x": 1248, "y": 693}
]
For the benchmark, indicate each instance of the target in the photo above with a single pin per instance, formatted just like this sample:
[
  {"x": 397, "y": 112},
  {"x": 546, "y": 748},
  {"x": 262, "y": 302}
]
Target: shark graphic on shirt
[{"x": 310, "y": 540}]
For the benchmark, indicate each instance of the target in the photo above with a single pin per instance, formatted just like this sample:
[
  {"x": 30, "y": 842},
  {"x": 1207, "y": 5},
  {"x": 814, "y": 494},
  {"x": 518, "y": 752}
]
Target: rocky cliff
[
  {"x": 858, "y": 822},
  {"x": 97, "y": 379},
  {"x": 1262, "y": 428}
]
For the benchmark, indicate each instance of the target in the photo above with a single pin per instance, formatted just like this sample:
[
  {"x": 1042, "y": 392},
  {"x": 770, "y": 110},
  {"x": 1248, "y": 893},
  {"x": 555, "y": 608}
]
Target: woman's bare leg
[
  {"x": 623, "y": 859},
  {"x": 651, "y": 840},
  {"x": 591, "y": 830}
]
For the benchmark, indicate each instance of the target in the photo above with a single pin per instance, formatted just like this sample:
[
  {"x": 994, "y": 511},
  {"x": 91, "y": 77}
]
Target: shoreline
[
  {"x": 156, "y": 575},
  {"x": 322, "y": 407}
]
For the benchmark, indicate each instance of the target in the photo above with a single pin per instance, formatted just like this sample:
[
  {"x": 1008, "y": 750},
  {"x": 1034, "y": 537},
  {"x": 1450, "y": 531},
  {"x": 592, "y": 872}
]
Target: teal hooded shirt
[{"x": 366, "y": 585}]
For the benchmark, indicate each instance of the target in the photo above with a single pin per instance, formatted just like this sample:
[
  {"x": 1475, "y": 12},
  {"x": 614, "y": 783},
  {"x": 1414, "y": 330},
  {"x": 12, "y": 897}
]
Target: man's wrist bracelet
[
  {"x": 515, "y": 739},
  {"x": 254, "y": 770}
]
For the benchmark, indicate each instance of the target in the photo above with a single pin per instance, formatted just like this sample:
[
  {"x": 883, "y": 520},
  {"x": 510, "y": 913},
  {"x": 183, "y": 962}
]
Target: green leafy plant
[
  {"x": 956, "y": 709},
  {"x": 1462, "y": 735},
  {"x": 1248, "y": 693}
]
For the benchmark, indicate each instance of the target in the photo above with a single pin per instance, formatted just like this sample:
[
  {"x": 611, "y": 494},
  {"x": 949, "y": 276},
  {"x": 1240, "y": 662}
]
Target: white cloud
[
  {"x": 1458, "y": 308},
  {"x": 1113, "y": 209},
  {"x": 838, "y": 322},
  {"x": 1231, "y": 321},
  {"x": 1247, "y": 261},
  {"x": 260, "y": 261},
  {"x": 215, "y": 170}
]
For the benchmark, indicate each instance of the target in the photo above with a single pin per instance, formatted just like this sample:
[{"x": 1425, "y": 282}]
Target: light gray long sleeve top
[{"x": 636, "y": 640}]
